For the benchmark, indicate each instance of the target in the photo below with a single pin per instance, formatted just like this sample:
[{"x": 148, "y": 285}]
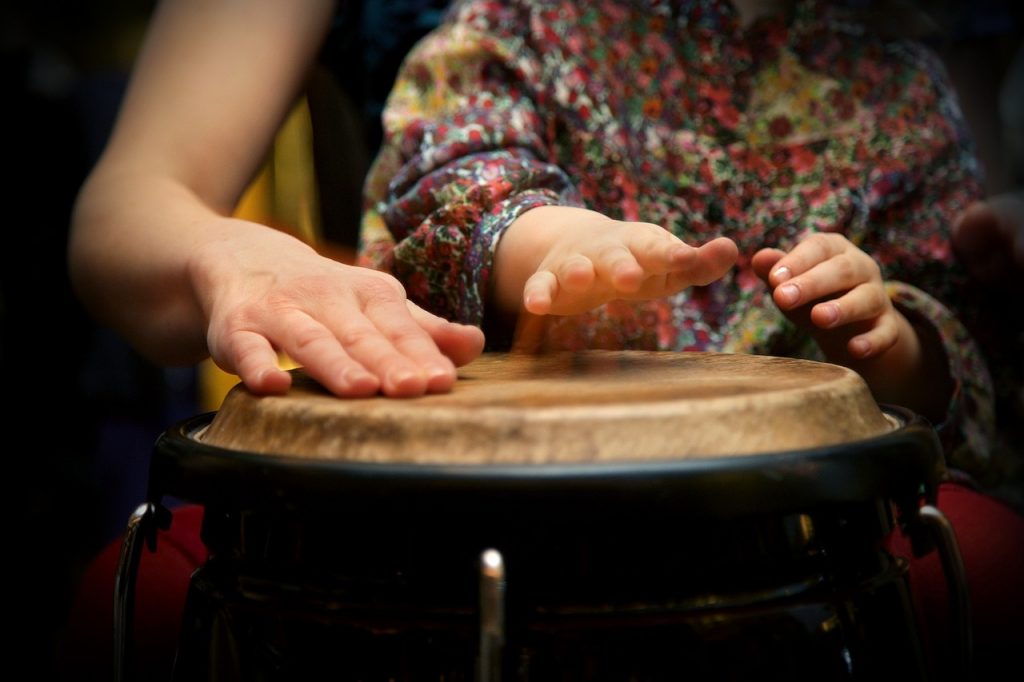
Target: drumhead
[
  {"x": 594, "y": 406},
  {"x": 897, "y": 457}
]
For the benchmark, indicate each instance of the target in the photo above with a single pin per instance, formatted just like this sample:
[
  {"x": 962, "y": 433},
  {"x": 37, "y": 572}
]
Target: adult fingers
[
  {"x": 253, "y": 359},
  {"x": 398, "y": 349},
  {"x": 318, "y": 349},
  {"x": 462, "y": 343}
]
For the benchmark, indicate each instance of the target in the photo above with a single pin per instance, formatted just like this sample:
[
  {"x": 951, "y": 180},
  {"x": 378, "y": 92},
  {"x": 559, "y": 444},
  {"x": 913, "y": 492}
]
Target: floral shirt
[{"x": 670, "y": 112}]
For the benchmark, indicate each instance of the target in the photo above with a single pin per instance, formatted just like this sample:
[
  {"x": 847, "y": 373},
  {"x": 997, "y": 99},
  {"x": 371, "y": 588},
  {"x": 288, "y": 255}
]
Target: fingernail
[
  {"x": 355, "y": 378},
  {"x": 437, "y": 372},
  {"x": 397, "y": 377},
  {"x": 788, "y": 294},
  {"x": 781, "y": 274}
]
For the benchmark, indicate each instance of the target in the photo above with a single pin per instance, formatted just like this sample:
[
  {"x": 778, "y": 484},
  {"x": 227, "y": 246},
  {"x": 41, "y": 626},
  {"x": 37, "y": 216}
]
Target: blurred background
[
  {"x": 83, "y": 410},
  {"x": 83, "y": 407}
]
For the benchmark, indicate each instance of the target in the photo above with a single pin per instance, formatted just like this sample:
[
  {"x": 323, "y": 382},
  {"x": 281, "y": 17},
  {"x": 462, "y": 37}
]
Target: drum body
[{"x": 766, "y": 565}]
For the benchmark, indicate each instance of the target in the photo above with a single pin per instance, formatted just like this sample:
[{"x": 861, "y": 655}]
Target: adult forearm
[{"x": 131, "y": 239}]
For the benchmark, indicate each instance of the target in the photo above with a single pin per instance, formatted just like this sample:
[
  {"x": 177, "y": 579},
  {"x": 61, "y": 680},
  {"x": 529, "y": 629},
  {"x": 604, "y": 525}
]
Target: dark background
[{"x": 82, "y": 409}]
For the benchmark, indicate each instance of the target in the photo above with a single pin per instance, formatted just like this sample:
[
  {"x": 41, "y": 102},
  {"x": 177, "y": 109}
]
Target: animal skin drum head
[{"x": 593, "y": 406}]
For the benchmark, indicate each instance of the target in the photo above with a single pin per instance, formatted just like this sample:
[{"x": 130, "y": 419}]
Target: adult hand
[{"x": 352, "y": 328}]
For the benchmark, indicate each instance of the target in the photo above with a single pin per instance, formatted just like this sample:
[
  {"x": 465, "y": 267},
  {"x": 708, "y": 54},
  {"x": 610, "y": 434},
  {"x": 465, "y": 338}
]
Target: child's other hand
[
  {"x": 988, "y": 238},
  {"x": 834, "y": 290},
  {"x": 585, "y": 259}
]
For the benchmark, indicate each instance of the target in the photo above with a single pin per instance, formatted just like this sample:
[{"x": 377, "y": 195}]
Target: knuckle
[
  {"x": 356, "y": 335},
  {"x": 380, "y": 287},
  {"x": 819, "y": 241},
  {"x": 874, "y": 270},
  {"x": 845, "y": 270},
  {"x": 237, "y": 319},
  {"x": 877, "y": 298},
  {"x": 406, "y": 335},
  {"x": 307, "y": 336},
  {"x": 575, "y": 264},
  {"x": 404, "y": 328},
  {"x": 611, "y": 252},
  {"x": 654, "y": 231},
  {"x": 245, "y": 357},
  {"x": 885, "y": 337}
]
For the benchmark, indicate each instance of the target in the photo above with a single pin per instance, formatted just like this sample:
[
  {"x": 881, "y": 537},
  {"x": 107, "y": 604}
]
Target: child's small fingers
[
  {"x": 876, "y": 341},
  {"x": 710, "y": 262},
  {"x": 827, "y": 278},
  {"x": 657, "y": 250},
  {"x": 666, "y": 257},
  {"x": 763, "y": 261},
  {"x": 863, "y": 302},
  {"x": 539, "y": 292},
  {"x": 575, "y": 274},
  {"x": 815, "y": 249},
  {"x": 713, "y": 260},
  {"x": 616, "y": 265}
]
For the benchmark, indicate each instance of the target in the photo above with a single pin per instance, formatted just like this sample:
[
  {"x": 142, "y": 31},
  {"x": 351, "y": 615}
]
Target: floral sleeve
[
  {"x": 966, "y": 433},
  {"x": 465, "y": 154},
  {"x": 913, "y": 201}
]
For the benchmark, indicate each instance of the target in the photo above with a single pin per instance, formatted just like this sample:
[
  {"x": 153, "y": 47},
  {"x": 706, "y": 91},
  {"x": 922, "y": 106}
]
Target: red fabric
[
  {"x": 990, "y": 535},
  {"x": 991, "y": 539},
  {"x": 162, "y": 583}
]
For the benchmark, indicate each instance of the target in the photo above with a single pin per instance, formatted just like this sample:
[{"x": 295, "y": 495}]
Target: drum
[{"x": 575, "y": 516}]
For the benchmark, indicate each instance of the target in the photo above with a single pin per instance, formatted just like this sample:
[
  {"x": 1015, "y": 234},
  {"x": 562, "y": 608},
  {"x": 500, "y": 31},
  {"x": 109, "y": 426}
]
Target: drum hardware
[
  {"x": 945, "y": 540},
  {"x": 142, "y": 527},
  {"x": 492, "y": 615}
]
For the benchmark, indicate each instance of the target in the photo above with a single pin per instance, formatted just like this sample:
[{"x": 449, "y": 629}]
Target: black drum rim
[{"x": 899, "y": 464}]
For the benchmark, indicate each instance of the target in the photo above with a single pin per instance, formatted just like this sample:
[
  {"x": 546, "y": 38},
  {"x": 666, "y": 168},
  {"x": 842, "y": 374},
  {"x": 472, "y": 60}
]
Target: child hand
[
  {"x": 573, "y": 260},
  {"x": 834, "y": 290}
]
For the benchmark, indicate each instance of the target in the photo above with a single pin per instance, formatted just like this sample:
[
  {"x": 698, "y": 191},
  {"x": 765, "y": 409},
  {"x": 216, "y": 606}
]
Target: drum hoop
[{"x": 901, "y": 464}]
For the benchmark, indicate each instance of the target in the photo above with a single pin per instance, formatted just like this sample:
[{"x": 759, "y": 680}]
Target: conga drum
[{"x": 573, "y": 516}]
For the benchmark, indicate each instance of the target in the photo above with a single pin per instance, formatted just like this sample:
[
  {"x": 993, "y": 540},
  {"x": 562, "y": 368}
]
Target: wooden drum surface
[{"x": 592, "y": 406}]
